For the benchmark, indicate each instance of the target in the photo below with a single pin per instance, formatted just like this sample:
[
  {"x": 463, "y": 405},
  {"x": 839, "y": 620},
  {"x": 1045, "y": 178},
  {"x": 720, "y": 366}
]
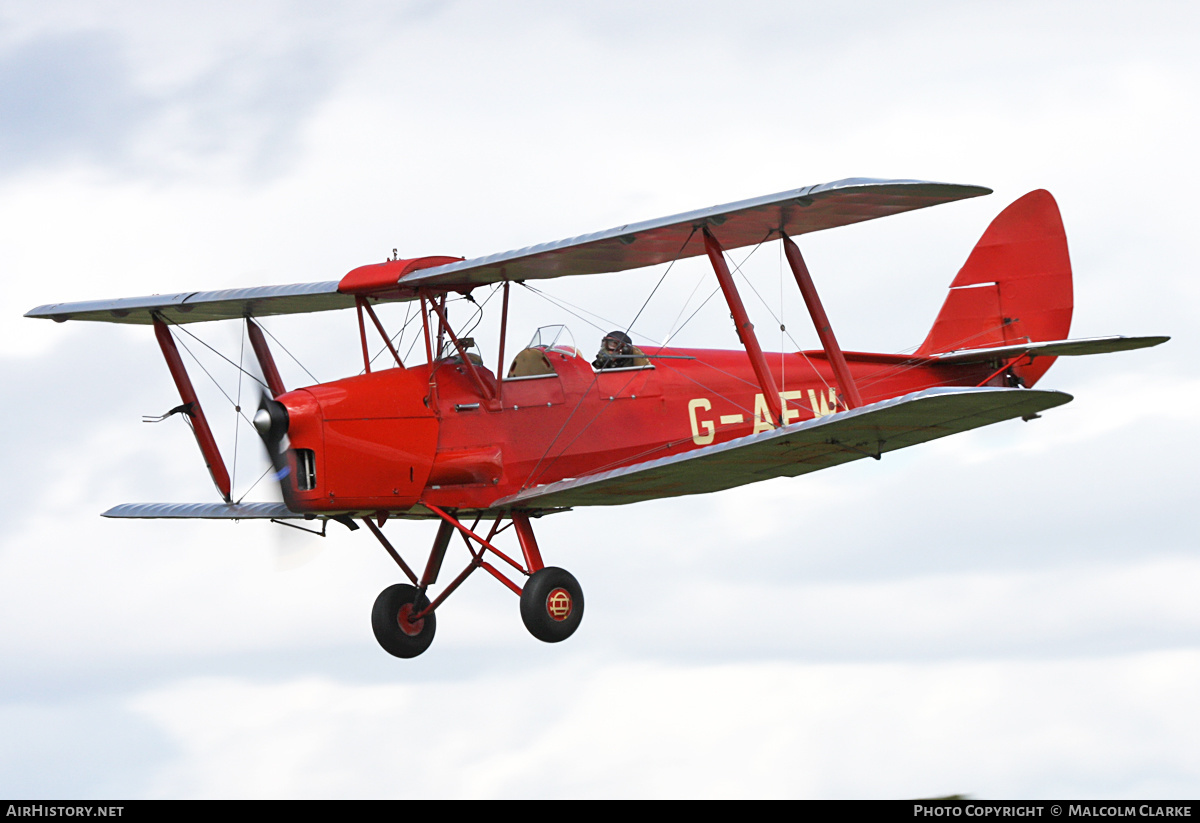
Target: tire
[
  {"x": 551, "y": 604},
  {"x": 398, "y": 636}
]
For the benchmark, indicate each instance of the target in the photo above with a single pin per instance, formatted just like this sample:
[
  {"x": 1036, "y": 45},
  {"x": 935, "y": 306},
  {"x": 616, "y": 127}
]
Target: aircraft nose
[
  {"x": 262, "y": 422},
  {"x": 271, "y": 420}
]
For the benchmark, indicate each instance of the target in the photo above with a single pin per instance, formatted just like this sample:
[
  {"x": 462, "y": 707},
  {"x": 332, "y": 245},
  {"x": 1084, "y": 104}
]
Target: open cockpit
[{"x": 535, "y": 360}]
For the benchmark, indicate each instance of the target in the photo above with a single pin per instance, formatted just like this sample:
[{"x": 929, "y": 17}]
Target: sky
[{"x": 1008, "y": 613}]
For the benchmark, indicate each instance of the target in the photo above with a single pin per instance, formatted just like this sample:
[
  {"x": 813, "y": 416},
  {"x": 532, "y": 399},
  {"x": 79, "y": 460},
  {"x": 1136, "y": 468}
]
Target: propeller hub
[
  {"x": 262, "y": 422},
  {"x": 271, "y": 421}
]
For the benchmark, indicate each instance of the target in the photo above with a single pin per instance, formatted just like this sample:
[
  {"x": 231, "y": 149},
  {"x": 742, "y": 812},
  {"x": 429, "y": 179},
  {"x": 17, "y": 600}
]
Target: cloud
[
  {"x": 66, "y": 96},
  {"x": 1101, "y": 727},
  {"x": 919, "y": 625},
  {"x": 75, "y": 98}
]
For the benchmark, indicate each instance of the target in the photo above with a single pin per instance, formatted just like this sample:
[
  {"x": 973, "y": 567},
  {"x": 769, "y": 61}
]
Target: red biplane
[{"x": 452, "y": 440}]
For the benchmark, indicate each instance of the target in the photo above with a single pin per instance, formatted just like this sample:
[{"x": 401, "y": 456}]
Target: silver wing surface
[
  {"x": 203, "y": 511},
  {"x": 744, "y": 223},
  {"x": 631, "y": 246},
  {"x": 868, "y": 431},
  {"x": 198, "y": 306},
  {"x": 1050, "y": 348}
]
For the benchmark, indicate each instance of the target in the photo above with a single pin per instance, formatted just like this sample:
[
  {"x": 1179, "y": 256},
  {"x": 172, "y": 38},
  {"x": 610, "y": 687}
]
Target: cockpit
[
  {"x": 549, "y": 346},
  {"x": 450, "y": 351},
  {"x": 617, "y": 352},
  {"x": 534, "y": 359}
]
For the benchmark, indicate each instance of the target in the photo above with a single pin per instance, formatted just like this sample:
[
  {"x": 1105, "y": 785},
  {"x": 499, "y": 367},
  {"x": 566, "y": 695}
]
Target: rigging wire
[
  {"x": 670, "y": 444},
  {"x": 416, "y": 337},
  {"x": 268, "y": 470},
  {"x": 565, "y": 306},
  {"x": 671, "y": 265},
  {"x": 595, "y": 378},
  {"x": 782, "y": 328},
  {"x": 393, "y": 338},
  {"x": 737, "y": 267},
  {"x": 183, "y": 329},
  {"x": 596, "y": 375},
  {"x": 384, "y": 348},
  {"x": 235, "y": 403},
  {"x": 288, "y": 353},
  {"x": 241, "y": 413},
  {"x": 671, "y": 329},
  {"x": 586, "y": 426}
]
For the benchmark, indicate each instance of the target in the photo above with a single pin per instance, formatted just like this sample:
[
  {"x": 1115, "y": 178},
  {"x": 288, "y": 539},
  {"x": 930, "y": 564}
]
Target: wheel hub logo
[{"x": 558, "y": 604}]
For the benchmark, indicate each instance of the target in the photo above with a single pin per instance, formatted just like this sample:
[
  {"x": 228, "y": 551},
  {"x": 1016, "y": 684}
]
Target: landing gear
[
  {"x": 403, "y": 617},
  {"x": 551, "y": 604},
  {"x": 395, "y": 628}
]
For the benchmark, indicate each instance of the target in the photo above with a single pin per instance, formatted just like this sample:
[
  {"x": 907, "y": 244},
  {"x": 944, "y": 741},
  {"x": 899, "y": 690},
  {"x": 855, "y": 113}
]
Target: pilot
[{"x": 617, "y": 351}]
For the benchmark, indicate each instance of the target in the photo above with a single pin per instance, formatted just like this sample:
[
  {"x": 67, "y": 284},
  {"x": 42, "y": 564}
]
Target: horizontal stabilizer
[
  {"x": 204, "y": 511},
  {"x": 868, "y": 431},
  {"x": 1050, "y": 348},
  {"x": 632, "y": 246}
]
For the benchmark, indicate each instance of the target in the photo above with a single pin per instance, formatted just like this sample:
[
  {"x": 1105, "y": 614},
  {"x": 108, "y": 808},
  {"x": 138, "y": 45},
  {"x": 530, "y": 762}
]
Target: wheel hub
[
  {"x": 559, "y": 605},
  {"x": 407, "y": 625}
]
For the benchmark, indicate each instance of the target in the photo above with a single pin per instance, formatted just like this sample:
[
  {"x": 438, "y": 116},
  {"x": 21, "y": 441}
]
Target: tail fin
[{"x": 1014, "y": 288}]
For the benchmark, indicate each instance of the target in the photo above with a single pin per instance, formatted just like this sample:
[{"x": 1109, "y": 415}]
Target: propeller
[
  {"x": 291, "y": 549},
  {"x": 271, "y": 422}
]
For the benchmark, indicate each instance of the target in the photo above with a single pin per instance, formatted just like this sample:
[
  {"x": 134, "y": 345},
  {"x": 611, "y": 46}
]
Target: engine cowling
[{"x": 372, "y": 440}]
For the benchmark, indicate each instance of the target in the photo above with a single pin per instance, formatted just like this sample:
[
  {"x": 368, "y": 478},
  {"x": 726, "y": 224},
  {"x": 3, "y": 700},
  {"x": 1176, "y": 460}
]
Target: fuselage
[{"x": 393, "y": 439}]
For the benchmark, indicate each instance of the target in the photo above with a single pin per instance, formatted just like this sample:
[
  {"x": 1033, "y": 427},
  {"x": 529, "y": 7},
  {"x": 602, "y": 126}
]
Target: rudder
[{"x": 1015, "y": 286}]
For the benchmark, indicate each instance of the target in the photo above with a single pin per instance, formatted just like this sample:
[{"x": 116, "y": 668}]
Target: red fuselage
[{"x": 390, "y": 440}]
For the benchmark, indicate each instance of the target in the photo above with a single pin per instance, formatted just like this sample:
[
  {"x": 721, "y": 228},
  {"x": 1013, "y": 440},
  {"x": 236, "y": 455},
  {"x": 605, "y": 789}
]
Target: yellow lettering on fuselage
[
  {"x": 709, "y": 429},
  {"x": 790, "y": 414},
  {"x": 820, "y": 406},
  {"x": 704, "y": 431},
  {"x": 762, "y": 415}
]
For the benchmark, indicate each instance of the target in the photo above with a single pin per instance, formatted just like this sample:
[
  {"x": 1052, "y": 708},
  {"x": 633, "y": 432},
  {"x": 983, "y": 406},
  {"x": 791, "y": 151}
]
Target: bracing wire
[
  {"x": 737, "y": 267},
  {"x": 670, "y": 265},
  {"x": 288, "y": 353},
  {"x": 567, "y": 307},
  {"x": 232, "y": 402},
  {"x": 268, "y": 470},
  {"x": 184, "y": 329}
]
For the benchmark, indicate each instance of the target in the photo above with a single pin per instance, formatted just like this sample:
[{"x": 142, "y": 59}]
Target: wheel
[
  {"x": 551, "y": 604},
  {"x": 391, "y": 618}
]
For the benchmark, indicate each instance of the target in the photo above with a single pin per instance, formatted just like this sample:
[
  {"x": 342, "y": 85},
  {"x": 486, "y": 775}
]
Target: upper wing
[
  {"x": 632, "y": 246},
  {"x": 197, "y": 306},
  {"x": 868, "y": 431},
  {"x": 743, "y": 223}
]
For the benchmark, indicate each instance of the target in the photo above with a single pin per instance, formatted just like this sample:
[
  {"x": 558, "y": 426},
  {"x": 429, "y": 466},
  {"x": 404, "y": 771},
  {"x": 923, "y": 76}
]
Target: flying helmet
[{"x": 620, "y": 338}]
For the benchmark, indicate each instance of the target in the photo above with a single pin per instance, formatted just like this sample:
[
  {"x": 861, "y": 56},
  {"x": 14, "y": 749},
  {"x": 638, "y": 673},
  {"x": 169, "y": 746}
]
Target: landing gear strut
[{"x": 551, "y": 600}]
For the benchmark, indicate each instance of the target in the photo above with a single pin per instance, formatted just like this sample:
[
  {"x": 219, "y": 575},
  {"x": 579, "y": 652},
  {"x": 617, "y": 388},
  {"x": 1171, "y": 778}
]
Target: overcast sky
[{"x": 1007, "y": 613}]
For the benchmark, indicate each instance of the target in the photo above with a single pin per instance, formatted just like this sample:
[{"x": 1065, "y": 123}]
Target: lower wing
[{"x": 868, "y": 431}]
